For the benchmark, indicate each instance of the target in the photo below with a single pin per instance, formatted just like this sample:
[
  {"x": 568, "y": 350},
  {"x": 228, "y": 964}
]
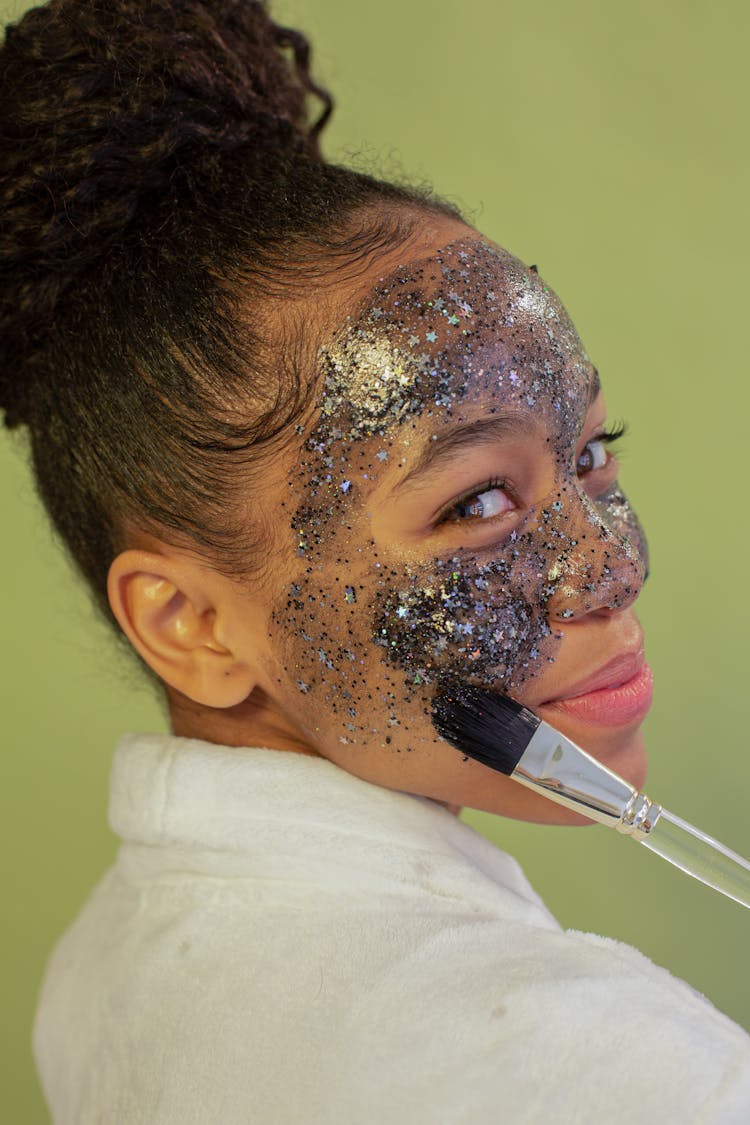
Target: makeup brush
[{"x": 502, "y": 734}]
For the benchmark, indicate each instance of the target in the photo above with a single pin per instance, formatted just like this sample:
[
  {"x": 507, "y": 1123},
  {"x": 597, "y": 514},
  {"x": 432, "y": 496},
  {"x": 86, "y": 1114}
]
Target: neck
[{"x": 254, "y": 722}]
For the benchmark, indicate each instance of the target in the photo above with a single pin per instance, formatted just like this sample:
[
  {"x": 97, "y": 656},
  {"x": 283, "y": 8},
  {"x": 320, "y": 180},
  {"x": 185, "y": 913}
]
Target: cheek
[
  {"x": 468, "y": 623},
  {"x": 462, "y": 617},
  {"x": 344, "y": 685},
  {"x": 323, "y": 628},
  {"x": 363, "y": 640}
]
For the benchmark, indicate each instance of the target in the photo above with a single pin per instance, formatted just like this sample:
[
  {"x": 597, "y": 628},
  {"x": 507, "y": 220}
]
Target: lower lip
[{"x": 615, "y": 706}]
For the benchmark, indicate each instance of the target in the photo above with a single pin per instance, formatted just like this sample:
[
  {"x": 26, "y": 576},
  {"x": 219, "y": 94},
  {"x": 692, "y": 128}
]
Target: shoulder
[
  {"x": 565, "y": 1027},
  {"x": 206, "y": 995}
]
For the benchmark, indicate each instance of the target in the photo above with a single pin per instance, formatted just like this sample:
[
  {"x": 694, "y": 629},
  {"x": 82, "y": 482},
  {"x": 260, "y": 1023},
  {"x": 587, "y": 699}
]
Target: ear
[{"x": 171, "y": 609}]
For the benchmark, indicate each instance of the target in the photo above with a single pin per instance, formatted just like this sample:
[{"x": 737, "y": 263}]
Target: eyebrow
[
  {"x": 595, "y": 388},
  {"x": 443, "y": 448}
]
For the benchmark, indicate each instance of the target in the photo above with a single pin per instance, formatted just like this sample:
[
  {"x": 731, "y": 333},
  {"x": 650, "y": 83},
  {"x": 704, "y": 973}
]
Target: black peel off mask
[{"x": 460, "y": 383}]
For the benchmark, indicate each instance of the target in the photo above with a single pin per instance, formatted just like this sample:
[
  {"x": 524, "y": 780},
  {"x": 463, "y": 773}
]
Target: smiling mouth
[{"x": 618, "y": 694}]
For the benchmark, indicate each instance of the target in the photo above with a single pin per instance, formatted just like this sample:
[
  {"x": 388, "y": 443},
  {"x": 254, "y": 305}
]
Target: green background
[{"x": 606, "y": 142}]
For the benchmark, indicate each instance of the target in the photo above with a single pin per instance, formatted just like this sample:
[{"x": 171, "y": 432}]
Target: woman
[{"x": 317, "y": 446}]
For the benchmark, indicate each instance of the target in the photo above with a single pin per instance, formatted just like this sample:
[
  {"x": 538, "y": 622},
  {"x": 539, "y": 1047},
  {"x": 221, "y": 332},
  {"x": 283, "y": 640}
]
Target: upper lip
[{"x": 616, "y": 671}]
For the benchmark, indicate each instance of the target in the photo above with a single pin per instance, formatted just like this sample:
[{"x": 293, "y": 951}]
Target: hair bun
[{"x": 101, "y": 105}]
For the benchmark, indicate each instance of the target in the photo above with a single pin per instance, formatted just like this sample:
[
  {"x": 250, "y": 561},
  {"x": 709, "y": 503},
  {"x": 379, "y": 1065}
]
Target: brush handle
[{"x": 701, "y": 856}]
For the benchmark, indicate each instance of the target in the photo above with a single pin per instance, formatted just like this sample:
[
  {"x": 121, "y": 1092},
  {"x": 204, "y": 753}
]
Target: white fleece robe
[{"x": 281, "y": 943}]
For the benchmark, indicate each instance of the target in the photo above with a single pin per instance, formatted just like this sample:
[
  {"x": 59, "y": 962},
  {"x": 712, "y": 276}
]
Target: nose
[{"x": 603, "y": 563}]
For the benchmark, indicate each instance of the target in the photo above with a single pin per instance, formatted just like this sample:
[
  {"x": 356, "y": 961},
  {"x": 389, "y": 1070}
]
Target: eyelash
[{"x": 607, "y": 437}]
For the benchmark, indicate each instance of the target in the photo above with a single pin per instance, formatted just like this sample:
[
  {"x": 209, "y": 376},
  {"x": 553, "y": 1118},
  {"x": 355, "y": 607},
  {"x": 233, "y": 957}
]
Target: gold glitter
[{"x": 465, "y": 334}]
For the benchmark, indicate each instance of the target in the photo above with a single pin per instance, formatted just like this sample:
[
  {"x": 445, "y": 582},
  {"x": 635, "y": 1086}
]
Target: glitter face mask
[{"x": 469, "y": 337}]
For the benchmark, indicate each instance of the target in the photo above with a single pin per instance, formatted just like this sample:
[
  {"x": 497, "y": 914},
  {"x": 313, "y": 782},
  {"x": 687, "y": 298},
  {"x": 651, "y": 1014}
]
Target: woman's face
[{"x": 455, "y": 515}]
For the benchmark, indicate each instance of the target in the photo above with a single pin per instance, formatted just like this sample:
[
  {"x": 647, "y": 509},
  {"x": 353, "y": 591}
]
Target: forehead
[{"x": 468, "y": 323}]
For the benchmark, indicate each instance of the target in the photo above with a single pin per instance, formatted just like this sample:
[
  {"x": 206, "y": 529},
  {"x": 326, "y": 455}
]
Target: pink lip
[{"x": 618, "y": 694}]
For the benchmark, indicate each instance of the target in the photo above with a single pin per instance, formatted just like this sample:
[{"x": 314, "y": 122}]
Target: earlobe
[{"x": 167, "y": 610}]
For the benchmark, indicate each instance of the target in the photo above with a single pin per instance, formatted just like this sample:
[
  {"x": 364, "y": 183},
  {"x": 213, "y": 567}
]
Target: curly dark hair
[{"x": 162, "y": 194}]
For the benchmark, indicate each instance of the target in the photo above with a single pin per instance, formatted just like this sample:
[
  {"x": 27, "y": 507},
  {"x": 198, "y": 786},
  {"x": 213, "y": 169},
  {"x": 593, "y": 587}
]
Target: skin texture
[{"x": 447, "y": 511}]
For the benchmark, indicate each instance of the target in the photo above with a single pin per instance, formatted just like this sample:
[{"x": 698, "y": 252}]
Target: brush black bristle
[{"x": 493, "y": 729}]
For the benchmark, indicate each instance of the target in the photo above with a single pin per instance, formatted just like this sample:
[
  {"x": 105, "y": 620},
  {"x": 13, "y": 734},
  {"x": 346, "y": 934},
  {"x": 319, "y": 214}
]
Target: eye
[
  {"x": 595, "y": 454},
  {"x": 491, "y": 499}
]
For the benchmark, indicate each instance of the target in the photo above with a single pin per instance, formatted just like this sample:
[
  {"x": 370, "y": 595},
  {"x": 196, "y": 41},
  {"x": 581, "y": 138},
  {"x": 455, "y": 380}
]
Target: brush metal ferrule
[
  {"x": 561, "y": 771},
  {"x": 639, "y": 817}
]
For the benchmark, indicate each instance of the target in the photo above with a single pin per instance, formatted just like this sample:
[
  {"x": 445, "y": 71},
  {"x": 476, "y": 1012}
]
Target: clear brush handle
[{"x": 700, "y": 856}]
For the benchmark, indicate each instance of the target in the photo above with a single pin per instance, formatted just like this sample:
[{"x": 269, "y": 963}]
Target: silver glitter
[{"x": 495, "y": 339}]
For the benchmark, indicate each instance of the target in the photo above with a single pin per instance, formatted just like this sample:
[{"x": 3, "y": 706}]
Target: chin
[{"x": 630, "y": 760}]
